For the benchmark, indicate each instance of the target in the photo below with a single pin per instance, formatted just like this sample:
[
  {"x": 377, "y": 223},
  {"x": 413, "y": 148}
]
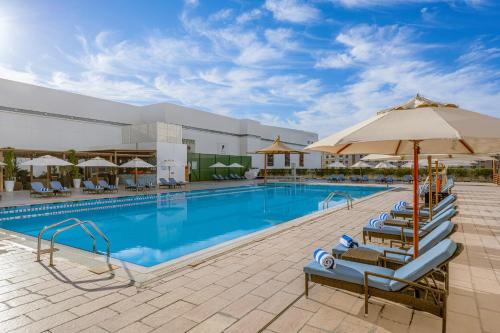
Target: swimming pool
[{"x": 151, "y": 229}]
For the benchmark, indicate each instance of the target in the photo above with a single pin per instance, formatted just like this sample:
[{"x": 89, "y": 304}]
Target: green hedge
[{"x": 460, "y": 174}]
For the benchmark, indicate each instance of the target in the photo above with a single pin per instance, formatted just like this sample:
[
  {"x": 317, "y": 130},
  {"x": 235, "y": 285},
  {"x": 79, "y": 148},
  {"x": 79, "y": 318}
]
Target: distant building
[
  {"x": 39, "y": 118},
  {"x": 347, "y": 160}
]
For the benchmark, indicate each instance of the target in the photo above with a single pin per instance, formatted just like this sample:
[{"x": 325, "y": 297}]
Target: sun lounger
[
  {"x": 407, "y": 179},
  {"x": 165, "y": 183},
  {"x": 177, "y": 183},
  {"x": 414, "y": 284},
  {"x": 131, "y": 185},
  {"x": 407, "y": 212},
  {"x": 109, "y": 188},
  {"x": 404, "y": 232},
  {"x": 365, "y": 179},
  {"x": 389, "y": 180},
  {"x": 395, "y": 257},
  {"x": 146, "y": 185},
  {"x": 58, "y": 188},
  {"x": 89, "y": 187},
  {"x": 38, "y": 189}
]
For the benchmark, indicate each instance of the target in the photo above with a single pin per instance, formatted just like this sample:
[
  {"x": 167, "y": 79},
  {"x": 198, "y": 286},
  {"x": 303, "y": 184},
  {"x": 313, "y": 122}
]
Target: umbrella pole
[
  {"x": 438, "y": 183},
  {"x": 265, "y": 168},
  {"x": 429, "y": 171},
  {"x": 415, "y": 198},
  {"x": 48, "y": 175}
]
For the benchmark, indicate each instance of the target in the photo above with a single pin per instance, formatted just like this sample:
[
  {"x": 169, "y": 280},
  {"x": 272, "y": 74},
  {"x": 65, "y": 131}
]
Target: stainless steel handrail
[
  {"x": 77, "y": 222},
  {"x": 45, "y": 228},
  {"x": 330, "y": 196}
]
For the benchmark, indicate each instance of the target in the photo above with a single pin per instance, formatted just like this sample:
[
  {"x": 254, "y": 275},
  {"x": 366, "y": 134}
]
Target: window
[
  {"x": 287, "y": 159},
  {"x": 301, "y": 159},
  {"x": 270, "y": 160}
]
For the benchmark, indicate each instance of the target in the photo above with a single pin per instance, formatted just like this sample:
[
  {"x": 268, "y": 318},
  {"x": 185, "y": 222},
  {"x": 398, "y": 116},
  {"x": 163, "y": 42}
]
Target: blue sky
[{"x": 317, "y": 65}]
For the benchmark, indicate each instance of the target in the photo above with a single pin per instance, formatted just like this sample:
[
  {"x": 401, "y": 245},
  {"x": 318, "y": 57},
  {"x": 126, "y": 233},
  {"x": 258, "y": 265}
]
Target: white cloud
[
  {"x": 292, "y": 11},
  {"x": 26, "y": 75},
  {"x": 222, "y": 15},
  {"x": 192, "y": 3},
  {"x": 370, "y": 43},
  {"x": 249, "y": 16},
  {"x": 377, "y": 3}
]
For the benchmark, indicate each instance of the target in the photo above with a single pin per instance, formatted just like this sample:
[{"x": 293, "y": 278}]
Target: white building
[{"x": 33, "y": 117}]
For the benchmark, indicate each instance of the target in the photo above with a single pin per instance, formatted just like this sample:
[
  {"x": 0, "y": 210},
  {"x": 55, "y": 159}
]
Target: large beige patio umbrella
[
  {"x": 417, "y": 126},
  {"x": 47, "y": 161},
  {"x": 276, "y": 148},
  {"x": 137, "y": 163},
  {"x": 97, "y": 162}
]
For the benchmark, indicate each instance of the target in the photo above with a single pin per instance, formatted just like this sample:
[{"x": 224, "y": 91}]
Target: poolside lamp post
[
  {"x": 2, "y": 164},
  {"x": 417, "y": 126},
  {"x": 276, "y": 148}
]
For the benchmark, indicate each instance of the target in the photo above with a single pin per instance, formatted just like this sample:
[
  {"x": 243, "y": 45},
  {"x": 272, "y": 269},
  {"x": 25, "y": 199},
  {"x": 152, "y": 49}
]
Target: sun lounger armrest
[
  {"x": 396, "y": 252},
  {"x": 400, "y": 242},
  {"x": 408, "y": 282}
]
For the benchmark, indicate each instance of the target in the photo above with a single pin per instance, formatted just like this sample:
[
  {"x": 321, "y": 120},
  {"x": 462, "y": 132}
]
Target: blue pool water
[{"x": 150, "y": 229}]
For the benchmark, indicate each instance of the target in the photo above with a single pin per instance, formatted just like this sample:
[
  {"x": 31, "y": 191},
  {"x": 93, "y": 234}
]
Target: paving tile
[
  {"x": 490, "y": 320},
  {"x": 237, "y": 291},
  {"x": 14, "y": 323},
  {"x": 51, "y": 309},
  {"x": 128, "y": 317},
  {"x": 97, "y": 304},
  {"x": 167, "y": 314},
  {"x": 84, "y": 322},
  {"x": 46, "y": 323},
  {"x": 268, "y": 289},
  {"x": 207, "y": 309},
  {"x": 291, "y": 321},
  {"x": 277, "y": 302},
  {"x": 215, "y": 324},
  {"x": 136, "y": 327},
  {"x": 178, "y": 325},
  {"x": 252, "y": 322},
  {"x": 242, "y": 306}
]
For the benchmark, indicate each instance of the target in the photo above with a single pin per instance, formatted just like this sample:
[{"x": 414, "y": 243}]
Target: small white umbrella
[
  {"x": 381, "y": 157},
  {"x": 384, "y": 165},
  {"x": 336, "y": 165},
  {"x": 136, "y": 163},
  {"x": 218, "y": 165},
  {"x": 360, "y": 164},
  {"x": 46, "y": 161},
  {"x": 236, "y": 165},
  {"x": 97, "y": 162}
]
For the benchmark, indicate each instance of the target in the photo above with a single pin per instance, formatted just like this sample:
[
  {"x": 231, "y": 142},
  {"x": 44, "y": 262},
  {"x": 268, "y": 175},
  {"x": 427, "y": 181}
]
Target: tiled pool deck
[{"x": 257, "y": 287}]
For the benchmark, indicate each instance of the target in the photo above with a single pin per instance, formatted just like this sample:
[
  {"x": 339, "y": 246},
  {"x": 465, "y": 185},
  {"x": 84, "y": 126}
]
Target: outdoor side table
[{"x": 364, "y": 256}]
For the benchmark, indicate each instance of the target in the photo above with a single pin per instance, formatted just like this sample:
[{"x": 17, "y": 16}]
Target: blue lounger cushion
[
  {"x": 425, "y": 244},
  {"x": 354, "y": 272},
  {"x": 424, "y": 263},
  {"x": 351, "y": 271},
  {"x": 424, "y": 229}
]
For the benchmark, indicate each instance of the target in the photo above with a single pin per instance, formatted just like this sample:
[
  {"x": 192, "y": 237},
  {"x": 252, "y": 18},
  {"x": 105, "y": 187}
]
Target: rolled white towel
[
  {"x": 324, "y": 258},
  {"x": 376, "y": 223},
  {"x": 400, "y": 205},
  {"x": 383, "y": 216},
  {"x": 348, "y": 241}
]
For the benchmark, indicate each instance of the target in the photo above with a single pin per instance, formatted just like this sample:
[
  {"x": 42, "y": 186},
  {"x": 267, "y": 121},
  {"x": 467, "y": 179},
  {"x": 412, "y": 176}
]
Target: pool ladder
[
  {"x": 76, "y": 222},
  {"x": 330, "y": 196}
]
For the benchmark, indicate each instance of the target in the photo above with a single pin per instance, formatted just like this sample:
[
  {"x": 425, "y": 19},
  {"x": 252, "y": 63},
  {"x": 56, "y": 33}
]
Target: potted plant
[
  {"x": 10, "y": 170},
  {"x": 75, "y": 171}
]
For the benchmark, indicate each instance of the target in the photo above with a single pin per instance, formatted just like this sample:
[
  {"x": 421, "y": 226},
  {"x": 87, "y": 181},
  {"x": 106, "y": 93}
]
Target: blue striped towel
[
  {"x": 348, "y": 241},
  {"x": 400, "y": 206},
  {"x": 378, "y": 222},
  {"x": 324, "y": 259},
  {"x": 44, "y": 189}
]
